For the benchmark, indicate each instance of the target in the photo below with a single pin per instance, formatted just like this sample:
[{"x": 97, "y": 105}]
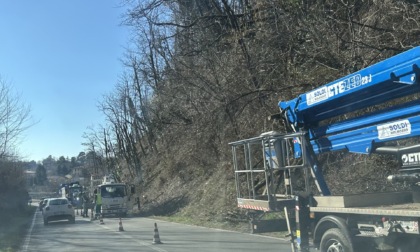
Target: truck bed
[
  {"x": 407, "y": 209},
  {"x": 387, "y": 204}
]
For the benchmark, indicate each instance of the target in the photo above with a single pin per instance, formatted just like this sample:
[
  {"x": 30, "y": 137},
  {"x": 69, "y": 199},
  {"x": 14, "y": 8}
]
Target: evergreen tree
[
  {"x": 63, "y": 166},
  {"x": 40, "y": 175}
]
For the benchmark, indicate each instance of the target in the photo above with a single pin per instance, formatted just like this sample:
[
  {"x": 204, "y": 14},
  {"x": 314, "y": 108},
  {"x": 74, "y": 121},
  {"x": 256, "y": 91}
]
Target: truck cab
[{"x": 116, "y": 197}]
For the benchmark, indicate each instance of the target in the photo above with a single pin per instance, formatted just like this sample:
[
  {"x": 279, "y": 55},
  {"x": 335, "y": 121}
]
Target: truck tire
[{"x": 334, "y": 240}]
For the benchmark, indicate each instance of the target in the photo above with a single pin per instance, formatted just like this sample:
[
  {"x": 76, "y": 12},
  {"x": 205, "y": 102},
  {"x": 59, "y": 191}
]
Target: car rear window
[{"x": 58, "y": 202}]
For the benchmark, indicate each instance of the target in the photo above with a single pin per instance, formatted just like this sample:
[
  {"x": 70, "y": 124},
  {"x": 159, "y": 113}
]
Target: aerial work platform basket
[{"x": 264, "y": 168}]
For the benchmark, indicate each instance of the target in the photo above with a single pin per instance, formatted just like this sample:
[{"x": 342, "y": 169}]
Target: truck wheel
[{"x": 334, "y": 240}]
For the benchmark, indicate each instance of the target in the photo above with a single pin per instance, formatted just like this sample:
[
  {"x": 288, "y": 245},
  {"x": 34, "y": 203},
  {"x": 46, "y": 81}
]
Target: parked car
[{"x": 58, "y": 209}]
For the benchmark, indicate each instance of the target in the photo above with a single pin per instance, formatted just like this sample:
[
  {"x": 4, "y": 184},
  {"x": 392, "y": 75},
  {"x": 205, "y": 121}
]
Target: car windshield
[
  {"x": 58, "y": 202},
  {"x": 113, "y": 191}
]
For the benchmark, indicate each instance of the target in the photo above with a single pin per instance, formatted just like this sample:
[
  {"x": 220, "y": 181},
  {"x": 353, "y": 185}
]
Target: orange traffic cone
[
  {"x": 156, "y": 238},
  {"x": 120, "y": 226}
]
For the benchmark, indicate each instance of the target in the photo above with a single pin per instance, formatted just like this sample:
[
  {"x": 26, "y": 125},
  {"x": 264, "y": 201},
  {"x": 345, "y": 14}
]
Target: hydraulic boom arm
[{"x": 385, "y": 81}]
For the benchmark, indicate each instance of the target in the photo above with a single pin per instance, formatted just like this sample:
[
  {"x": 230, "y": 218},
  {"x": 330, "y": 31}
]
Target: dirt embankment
[{"x": 192, "y": 195}]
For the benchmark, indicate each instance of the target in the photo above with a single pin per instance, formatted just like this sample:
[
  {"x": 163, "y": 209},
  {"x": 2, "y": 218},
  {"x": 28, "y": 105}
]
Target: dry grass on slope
[{"x": 199, "y": 199}]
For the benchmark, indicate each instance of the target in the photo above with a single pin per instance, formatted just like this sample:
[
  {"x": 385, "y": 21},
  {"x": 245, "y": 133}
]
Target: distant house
[{"x": 30, "y": 177}]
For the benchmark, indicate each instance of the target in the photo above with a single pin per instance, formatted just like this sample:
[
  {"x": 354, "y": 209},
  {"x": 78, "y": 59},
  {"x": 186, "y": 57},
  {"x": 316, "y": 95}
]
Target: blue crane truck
[
  {"x": 372, "y": 111},
  {"x": 72, "y": 191}
]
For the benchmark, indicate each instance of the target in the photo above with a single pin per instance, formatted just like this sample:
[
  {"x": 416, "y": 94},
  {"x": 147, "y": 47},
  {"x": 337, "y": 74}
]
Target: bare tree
[
  {"x": 99, "y": 158},
  {"x": 14, "y": 120},
  {"x": 123, "y": 140}
]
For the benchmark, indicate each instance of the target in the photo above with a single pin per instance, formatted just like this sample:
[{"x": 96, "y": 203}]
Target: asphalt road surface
[{"x": 140, "y": 235}]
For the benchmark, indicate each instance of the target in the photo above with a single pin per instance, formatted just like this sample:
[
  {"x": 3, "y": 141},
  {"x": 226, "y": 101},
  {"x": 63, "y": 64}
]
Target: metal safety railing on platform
[{"x": 263, "y": 164}]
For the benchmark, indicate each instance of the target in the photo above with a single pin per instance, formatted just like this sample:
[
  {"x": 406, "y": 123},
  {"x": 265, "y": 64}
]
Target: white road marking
[{"x": 28, "y": 235}]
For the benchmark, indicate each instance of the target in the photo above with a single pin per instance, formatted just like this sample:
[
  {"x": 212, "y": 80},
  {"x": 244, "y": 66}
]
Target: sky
[{"x": 61, "y": 57}]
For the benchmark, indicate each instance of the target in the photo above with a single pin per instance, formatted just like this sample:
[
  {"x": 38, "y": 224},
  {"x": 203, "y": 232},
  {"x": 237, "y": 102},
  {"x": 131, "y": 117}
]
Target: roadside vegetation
[
  {"x": 14, "y": 211},
  {"x": 14, "y": 227}
]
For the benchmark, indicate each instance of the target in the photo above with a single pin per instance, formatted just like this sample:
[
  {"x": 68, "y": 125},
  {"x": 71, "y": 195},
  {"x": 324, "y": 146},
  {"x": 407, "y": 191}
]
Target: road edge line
[{"x": 29, "y": 233}]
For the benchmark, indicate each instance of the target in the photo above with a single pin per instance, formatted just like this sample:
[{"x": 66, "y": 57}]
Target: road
[{"x": 138, "y": 235}]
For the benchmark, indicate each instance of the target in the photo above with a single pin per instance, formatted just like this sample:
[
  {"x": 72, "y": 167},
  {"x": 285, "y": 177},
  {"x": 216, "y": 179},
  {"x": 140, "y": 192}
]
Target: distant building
[{"x": 30, "y": 177}]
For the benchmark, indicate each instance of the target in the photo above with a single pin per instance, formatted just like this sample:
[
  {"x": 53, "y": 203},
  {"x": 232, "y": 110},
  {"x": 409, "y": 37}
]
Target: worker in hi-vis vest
[{"x": 98, "y": 202}]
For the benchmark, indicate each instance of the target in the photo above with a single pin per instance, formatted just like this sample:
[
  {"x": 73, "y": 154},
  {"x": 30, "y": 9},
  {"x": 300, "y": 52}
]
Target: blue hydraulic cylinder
[{"x": 392, "y": 78}]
